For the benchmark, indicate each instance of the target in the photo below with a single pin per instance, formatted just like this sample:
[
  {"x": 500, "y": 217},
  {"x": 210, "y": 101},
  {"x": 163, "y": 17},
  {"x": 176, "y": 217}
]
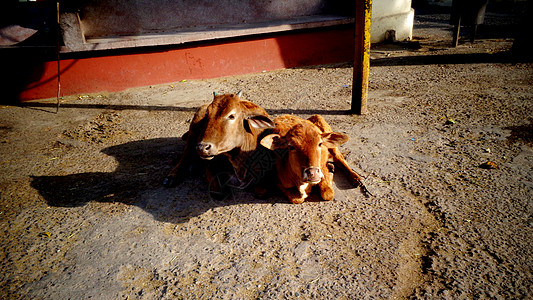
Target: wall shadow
[
  {"x": 43, "y": 105},
  {"x": 37, "y": 105},
  {"x": 22, "y": 68},
  {"x": 23, "y": 60},
  {"x": 446, "y": 59}
]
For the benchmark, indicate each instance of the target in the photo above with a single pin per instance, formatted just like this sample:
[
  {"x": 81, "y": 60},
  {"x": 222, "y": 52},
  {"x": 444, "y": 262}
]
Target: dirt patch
[{"x": 83, "y": 213}]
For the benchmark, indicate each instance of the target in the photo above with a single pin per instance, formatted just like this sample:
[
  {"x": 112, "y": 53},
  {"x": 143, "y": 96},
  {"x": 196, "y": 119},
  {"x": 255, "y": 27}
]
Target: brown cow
[
  {"x": 311, "y": 144},
  {"x": 227, "y": 126}
]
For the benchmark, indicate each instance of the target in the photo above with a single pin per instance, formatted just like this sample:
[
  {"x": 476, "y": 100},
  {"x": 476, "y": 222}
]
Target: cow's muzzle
[
  {"x": 313, "y": 175},
  {"x": 205, "y": 150}
]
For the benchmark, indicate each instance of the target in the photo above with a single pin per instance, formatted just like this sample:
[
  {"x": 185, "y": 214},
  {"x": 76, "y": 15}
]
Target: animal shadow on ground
[{"x": 137, "y": 180}]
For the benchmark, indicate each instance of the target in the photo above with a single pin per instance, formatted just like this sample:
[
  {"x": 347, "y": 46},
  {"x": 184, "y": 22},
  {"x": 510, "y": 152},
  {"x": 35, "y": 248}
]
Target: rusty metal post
[{"x": 361, "y": 68}]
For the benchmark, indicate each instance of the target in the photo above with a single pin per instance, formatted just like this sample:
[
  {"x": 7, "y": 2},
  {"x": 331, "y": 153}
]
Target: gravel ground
[{"x": 446, "y": 150}]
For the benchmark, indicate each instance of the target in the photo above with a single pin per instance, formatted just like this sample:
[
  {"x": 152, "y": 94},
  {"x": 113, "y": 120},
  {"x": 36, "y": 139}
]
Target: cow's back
[{"x": 285, "y": 123}]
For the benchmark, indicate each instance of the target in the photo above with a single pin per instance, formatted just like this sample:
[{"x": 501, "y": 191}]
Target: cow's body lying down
[
  {"x": 310, "y": 145},
  {"x": 227, "y": 126}
]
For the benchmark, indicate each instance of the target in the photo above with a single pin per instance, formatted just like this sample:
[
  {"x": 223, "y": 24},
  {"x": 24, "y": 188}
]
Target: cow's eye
[
  {"x": 320, "y": 144},
  {"x": 231, "y": 117},
  {"x": 291, "y": 147}
]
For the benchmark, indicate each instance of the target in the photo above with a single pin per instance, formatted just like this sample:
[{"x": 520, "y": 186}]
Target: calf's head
[
  {"x": 231, "y": 123},
  {"x": 307, "y": 150}
]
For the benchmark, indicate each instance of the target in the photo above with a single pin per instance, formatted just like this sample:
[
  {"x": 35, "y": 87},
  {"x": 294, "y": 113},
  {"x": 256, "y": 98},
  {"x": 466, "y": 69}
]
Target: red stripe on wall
[{"x": 223, "y": 58}]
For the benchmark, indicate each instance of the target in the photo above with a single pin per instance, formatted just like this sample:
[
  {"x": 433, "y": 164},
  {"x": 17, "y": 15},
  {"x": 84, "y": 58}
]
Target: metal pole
[
  {"x": 361, "y": 69},
  {"x": 58, "y": 37}
]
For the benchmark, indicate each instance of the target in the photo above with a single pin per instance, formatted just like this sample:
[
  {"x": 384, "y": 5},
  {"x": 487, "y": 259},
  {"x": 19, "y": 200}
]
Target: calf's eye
[{"x": 231, "y": 117}]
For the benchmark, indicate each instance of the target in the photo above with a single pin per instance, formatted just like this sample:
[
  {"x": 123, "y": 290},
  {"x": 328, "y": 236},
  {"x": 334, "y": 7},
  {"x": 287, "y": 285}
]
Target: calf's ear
[
  {"x": 258, "y": 122},
  {"x": 271, "y": 141},
  {"x": 334, "y": 139}
]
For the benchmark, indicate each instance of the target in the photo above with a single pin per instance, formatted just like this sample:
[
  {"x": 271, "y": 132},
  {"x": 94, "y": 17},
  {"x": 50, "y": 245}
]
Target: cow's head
[
  {"x": 231, "y": 123},
  {"x": 307, "y": 150}
]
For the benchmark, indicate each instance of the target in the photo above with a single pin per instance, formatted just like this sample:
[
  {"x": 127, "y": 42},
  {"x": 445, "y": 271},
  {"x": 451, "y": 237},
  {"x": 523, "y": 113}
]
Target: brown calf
[
  {"x": 311, "y": 144},
  {"x": 227, "y": 126}
]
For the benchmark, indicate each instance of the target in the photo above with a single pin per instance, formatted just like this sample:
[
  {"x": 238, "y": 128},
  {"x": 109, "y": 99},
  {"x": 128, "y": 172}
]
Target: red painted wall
[{"x": 216, "y": 59}]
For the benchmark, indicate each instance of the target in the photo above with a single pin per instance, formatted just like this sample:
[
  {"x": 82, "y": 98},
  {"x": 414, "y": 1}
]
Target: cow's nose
[
  {"x": 312, "y": 174},
  {"x": 205, "y": 150}
]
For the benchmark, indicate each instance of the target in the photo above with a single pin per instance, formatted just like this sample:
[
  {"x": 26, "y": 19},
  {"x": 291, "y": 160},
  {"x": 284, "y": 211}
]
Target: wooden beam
[
  {"x": 361, "y": 69},
  {"x": 75, "y": 39}
]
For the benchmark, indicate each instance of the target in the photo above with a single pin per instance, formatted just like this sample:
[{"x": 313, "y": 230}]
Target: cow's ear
[
  {"x": 272, "y": 141},
  {"x": 250, "y": 109},
  {"x": 258, "y": 122},
  {"x": 334, "y": 139}
]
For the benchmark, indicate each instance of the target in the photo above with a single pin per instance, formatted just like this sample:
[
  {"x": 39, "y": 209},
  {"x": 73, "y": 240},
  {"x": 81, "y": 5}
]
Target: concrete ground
[{"x": 446, "y": 150}]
